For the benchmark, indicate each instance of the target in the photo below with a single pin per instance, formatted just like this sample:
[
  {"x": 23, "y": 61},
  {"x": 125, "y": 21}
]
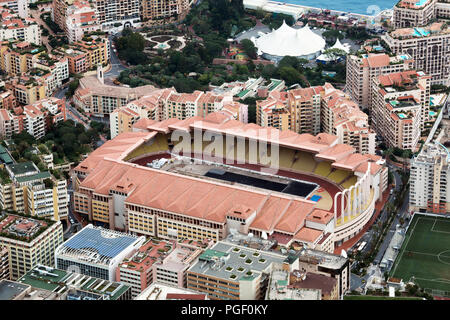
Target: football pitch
[{"x": 425, "y": 254}]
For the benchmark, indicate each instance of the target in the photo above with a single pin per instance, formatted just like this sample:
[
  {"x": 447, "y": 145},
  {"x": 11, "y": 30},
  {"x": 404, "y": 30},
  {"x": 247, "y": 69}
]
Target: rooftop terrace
[
  {"x": 22, "y": 228},
  {"x": 152, "y": 251}
]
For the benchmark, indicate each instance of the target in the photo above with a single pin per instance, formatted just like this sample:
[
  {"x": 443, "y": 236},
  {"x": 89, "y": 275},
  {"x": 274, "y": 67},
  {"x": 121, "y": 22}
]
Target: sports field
[{"x": 425, "y": 254}]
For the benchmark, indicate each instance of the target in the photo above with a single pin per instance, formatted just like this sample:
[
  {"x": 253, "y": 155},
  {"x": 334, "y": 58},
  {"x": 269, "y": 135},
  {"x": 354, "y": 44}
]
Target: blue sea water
[{"x": 354, "y": 6}]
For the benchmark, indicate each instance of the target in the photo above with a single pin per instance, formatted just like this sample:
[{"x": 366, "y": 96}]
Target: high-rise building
[
  {"x": 26, "y": 190},
  {"x": 17, "y": 28},
  {"x": 400, "y": 107},
  {"x": 430, "y": 180},
  {"x": 363, "y": 68},
  {"x": 318, "y": 109},
  {"x": 158, "y": 10},
  {"x": 428, "y": 46},
  {"x": 81, "y": 18},
  {"x": 342, "y": 117},
  {"x": 411, "y": 13}
]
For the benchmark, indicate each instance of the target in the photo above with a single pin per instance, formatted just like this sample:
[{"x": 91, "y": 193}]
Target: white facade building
[
  {"x": 430, "y": 180},
  {"x": 96, "y": 252}
]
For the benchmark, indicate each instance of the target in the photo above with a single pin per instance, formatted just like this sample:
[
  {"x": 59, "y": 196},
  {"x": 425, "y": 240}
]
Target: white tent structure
[
  {"x": 330, "y": 57},
  {"x": 287, "y": 41}
]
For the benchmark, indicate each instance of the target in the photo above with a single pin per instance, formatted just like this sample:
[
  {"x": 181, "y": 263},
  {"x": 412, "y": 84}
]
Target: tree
[
  {"x": 249, "y": 48},
  {"x": 290, "y": 75},
  {"x": 334, "y": 54},
  {"x": 268, "y": 71}
]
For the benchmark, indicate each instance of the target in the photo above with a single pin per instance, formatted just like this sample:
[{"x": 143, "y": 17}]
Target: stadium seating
[
  {"x": 338, "y": 175},
  {"x": 349, "y": 182},
  {"x": 305, "y": 162},
  {"x": 286, "y": 158},
  {"x": 159, "y": 144},
  {"x": 323, "y": 169}
]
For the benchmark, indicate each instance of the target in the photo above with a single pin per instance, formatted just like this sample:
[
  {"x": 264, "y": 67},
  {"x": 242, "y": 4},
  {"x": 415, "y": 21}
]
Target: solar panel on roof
[{"x": 90, "y": 238}]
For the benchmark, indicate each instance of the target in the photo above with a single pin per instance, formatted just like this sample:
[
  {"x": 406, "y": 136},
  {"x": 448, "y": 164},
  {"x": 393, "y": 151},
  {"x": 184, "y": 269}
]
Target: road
[
  {"x": 116, "y": 65},
  {"x": 357, "y": 281}
]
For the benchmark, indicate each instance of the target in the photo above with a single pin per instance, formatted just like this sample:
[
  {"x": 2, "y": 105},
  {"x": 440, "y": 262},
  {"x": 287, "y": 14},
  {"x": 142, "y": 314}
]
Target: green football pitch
[{"x": 425, "y": 254}]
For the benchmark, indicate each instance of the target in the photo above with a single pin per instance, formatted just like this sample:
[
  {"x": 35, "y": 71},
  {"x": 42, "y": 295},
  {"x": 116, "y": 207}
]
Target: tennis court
[{"x": 425, "y": 254}]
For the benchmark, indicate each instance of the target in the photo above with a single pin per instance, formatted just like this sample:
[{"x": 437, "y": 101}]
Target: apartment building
[
  {"x": 280, "y": 287},
  {"x": 113, "y": 13},
  {"x": 162, "y": 104},
  {"x": 7, "y": 99},
  {"x": 297, "y": 110},
  {"x": 100, "y": 99},
  {"x": 317, "y": 109},
  {"x": 77, "y": 61},
  {"x": 57, "y": 66},
  {"x": 9, "y": 124},
  {"x": 17, "y": 6},
  {"x": 17, "y": 28},
  {"x": 273, "y": 112},
  {"x": 30, "y": 241},
  {"x": 96, "y": 252},
  {"x": 34, "y": 118},
  {"x": 401, "y": 103},
  {"x": 427, "y": 45},
  {"x": 97, "y": 51},
  {"x": 59, "y": 9},
  {"x": 172, "y": 269},
  {"x": 83, "y": 55},
  {"x": 430, "y": 180},
  {"x": 410, "y": 13},
  {"x": 27, "y": 190},
  {"x": 4, "y": 263},
  {"x": 161, "y": 10},
  {"x": 327, "y": 264},
  {"x": 233, "y": 272},
  {"x": 80, "y": 18},
  {"x": 29, "y": 89},
  {"x": 18, "y": 57},
  {"x": 137, "y": 271},
  {"x": 298, "y": 285},
  {"x": 363, "y": 68},
  {"x": 342, "y": 117}
]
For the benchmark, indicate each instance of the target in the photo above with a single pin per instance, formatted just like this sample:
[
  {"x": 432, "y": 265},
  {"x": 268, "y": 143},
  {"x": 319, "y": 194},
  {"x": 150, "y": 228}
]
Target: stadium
[{"x": 206, "y": 177}]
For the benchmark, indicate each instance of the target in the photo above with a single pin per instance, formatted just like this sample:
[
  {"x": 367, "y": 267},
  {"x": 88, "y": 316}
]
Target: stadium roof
[
  {"x": 96, "y": 243},
  {"x": 287, "y": 41}
]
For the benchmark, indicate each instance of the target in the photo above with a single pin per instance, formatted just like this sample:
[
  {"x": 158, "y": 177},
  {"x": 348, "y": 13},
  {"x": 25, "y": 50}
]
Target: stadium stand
[
  {"x": 304, "y": 162},
  {"x": 339, "y": 175},
  {"x": 286, "y": 157},
  {"x": 349, "y": 182},
  {"x": 157, "y": 144},
  {"x": 323, "y": 169}
]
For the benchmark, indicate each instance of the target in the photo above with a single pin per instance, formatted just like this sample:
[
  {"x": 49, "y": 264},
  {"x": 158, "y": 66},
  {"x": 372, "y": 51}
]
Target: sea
[{"x": 353, "y": 6}]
